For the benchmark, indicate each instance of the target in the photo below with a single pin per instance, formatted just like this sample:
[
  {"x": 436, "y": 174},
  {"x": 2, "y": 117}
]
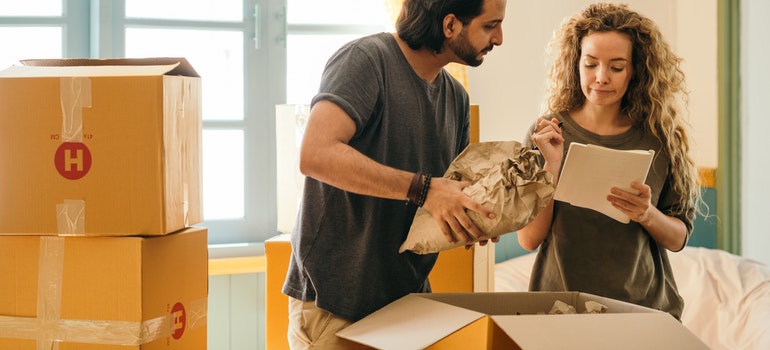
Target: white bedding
[{"x": 727, "y": 297}]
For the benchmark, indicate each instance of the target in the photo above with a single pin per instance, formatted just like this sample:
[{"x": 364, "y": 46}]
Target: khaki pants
[{"x": 314, "y": 328}]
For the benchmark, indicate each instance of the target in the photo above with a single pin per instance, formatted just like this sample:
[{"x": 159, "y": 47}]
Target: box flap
[
  {"x": 283, "y": 237},
  {"x": 529, "y": 303},
  {"x": 628, "y": 331},
  {"x": 101, "y": 67},
  {"x": 412, "y": 322}
]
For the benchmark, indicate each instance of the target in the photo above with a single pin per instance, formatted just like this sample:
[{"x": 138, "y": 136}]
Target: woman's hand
[
  {"x": 550, "y": 142},
  {"x": 636, "y": 206},
  {"x": 668, "y": 231}
]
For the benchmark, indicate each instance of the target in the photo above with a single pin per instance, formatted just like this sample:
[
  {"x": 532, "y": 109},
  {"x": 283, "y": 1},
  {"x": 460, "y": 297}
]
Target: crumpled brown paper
[
  {"x": 506, "y": 178},
  {"x": 562, "y": 308}
]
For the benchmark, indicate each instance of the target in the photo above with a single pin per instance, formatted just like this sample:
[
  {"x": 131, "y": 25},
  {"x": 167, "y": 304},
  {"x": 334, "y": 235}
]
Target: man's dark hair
[{"x": 420, "y": 21}]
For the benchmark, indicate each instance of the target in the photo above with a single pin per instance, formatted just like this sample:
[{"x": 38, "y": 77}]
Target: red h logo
[
  {"x": 180, "y": 320},
  {"x": 72, "y": 160}
]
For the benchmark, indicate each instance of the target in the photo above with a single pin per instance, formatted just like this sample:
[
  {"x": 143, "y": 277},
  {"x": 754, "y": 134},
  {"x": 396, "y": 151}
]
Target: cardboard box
[
  {"x": 277, "y": 255},
  {"x": 517, "y": 321},
  {"x": 456, "y": 270},
  {"x": 104, "y": 293},
  {"x": 100, "y": 147}
]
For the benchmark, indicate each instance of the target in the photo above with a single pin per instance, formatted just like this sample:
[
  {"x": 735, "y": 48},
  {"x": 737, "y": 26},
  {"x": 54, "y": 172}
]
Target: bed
[{"x": 727, "y": 297}]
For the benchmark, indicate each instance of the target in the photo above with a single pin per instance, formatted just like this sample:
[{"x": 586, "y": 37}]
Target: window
[
  {"x": 318, "y": 28},
  {"x": 251, "y": 54},
  {"x": 217, "y": 39},
  {"x": 237, "y": 48},
  {"x": 25, "y": 22}
]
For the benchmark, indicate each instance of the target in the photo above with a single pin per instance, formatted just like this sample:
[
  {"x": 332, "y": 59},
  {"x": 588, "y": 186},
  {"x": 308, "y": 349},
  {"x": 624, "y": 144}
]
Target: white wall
[
  {"x": 755, "y": 123},
  {"x": 509, "y": 86},
  {"x": 695, "y": 40}
]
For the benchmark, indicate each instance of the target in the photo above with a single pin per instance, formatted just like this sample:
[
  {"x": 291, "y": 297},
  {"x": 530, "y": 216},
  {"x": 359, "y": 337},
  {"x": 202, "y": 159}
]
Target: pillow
[{"x": 727, "y": 297}]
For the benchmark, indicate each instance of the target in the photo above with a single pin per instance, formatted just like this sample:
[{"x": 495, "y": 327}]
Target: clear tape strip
[
  {"x": 71, "y": 217},
  {"x": 48, "y": 329},
  {"x": 49, "y": 283},
  {"x": 186, "y": 98},
  {"x": 75, "y": 94},
  {"x": 50, "y": 332}
]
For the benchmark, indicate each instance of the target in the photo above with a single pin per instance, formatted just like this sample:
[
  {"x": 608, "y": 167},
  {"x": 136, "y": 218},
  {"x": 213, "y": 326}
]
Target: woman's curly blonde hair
[{"x": 656, "y": 98}]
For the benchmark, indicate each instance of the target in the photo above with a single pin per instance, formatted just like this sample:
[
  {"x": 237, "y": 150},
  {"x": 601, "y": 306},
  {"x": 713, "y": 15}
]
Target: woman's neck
[{"x": 602, "y": 120}]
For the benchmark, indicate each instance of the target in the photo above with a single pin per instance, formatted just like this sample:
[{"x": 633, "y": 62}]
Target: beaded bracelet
[{"x": 424, "y": 192}]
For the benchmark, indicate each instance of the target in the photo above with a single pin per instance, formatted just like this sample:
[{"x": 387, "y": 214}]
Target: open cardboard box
[
  {"x": 457, "y": 270},
  {"x": 102, "y": 147},
  {"x": 517, "y": 320}
]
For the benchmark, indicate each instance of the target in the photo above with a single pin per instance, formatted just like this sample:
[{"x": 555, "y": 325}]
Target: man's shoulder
[
  {"x": 381, "y": 41},
  {"x": 378, "y": 48}
]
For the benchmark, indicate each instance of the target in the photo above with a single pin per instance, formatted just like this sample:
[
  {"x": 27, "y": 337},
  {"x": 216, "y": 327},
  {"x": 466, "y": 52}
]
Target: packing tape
[
  {"x": 189, "y": 109},
  {"x": 71, "y": 217},
  {"x": 75, "y": 94},
  {"x": 185, "y": 155},
  {"x": 48, "y": 329},
  {"x": 176, "y": 107},
  {"x": 49, "y": 283}
]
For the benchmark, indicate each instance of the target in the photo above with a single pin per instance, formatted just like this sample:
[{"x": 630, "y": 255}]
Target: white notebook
[{"x": 590, "y": 171}]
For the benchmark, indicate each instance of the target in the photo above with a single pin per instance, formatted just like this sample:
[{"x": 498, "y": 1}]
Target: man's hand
[
  {"x": 447, "y": 204},
  {"x": 483, "y": 242}
]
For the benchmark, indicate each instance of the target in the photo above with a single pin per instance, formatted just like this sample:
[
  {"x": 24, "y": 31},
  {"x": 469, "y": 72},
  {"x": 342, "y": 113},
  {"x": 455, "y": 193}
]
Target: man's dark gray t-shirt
[{"x": 345, "y": 246}]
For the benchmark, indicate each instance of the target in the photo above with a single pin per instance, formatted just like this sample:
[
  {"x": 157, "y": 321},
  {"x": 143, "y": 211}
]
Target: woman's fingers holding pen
[
  {"x": 548, "y": 139},
  {"x": 547, "y": 132},
  {"x": 553, "y": 123}
]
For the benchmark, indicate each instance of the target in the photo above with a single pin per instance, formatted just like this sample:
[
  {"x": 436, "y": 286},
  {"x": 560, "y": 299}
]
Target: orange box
[
  {"x": 456, "y": 270},
  {"x": 104, "y": 293},
  {"x": 517, "y": 320},
  {"x": 100, "y": 147},
  {"x": 277, "y": 255}
]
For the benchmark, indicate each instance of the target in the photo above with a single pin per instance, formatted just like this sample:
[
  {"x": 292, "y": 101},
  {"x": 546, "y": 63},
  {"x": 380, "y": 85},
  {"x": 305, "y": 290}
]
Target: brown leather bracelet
[{"x": 415, "y": 189}]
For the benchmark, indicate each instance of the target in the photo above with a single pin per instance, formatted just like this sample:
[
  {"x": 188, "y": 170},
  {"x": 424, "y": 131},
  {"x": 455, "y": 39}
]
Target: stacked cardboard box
[{"x": 100, "y": 192}]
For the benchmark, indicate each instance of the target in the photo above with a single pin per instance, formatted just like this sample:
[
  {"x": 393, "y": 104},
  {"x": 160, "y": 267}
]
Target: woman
[{"x": 616, "y": 83}]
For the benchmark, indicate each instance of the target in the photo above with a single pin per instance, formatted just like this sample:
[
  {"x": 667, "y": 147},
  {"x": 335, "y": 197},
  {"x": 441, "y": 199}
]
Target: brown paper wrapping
[{"x": 506, "y": 178}]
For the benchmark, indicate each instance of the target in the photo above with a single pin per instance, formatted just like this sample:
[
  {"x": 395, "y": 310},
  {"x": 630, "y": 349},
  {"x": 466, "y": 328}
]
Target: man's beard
[{"x": 466, "y": 52}]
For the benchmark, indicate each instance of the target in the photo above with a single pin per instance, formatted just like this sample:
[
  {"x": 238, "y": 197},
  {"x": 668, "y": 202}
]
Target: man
[{"x": 386, "y": 120}]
